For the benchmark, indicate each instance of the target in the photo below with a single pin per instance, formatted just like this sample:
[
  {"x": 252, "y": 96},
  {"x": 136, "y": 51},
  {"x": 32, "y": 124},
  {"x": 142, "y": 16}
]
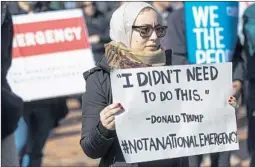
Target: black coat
[
  {"x": 11, "y": 104},
  {"x": 56, "y": 107},
  {"x": 97, "y": 141}
]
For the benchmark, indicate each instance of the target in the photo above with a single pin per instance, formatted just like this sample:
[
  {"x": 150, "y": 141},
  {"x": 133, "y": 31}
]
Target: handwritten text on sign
[{"x": 174, "y": 111}]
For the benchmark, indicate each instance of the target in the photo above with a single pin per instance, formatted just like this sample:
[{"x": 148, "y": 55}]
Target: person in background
[
  {"x": 177, "y": 5},
  {"x": 69, "y": 4},
  {"x": 249, "y": 51},
  {"x": 21, "y": 7},
  {"x": 11, "y": 104},
  {"x": 177, "y": 37},
  {"x": 97, "y": 26},
  {"x": 27, "y": 7},
  {"x": 42, "y": 6},
  {"x": 108, "y": 7},
  {"x": 98, "y": 29},
  {"x": 105, "y": 6},
  {"x": 57, "y": 5},
  {"x": 177, "y": 42},
  {"x": 39, "y": 116},
  {"x": 164, "y": 8}
]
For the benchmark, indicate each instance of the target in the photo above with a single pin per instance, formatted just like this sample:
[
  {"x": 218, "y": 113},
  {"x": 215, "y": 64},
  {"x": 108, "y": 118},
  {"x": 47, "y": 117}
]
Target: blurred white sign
[{"x": 50, "y": 53}]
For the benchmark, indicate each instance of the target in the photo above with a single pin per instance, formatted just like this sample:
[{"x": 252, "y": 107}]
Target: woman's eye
[
  {"x": 145, "y": 30},
  {"x": 160, "y": 29}
]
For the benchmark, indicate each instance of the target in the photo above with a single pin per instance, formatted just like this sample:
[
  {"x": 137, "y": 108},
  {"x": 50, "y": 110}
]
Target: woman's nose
[{"x": 154, "y": 35}]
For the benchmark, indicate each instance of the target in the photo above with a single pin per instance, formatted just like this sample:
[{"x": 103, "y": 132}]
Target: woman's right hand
[
  {"x": 107, "y": 115},
  {"x": 233, "y": 102}
]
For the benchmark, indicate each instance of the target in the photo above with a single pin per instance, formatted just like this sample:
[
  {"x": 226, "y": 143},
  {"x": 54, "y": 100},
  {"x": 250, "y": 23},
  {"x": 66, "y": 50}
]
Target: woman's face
[
  {"x": 141, "y": 40},
  {"x": 89, "y": 8}
]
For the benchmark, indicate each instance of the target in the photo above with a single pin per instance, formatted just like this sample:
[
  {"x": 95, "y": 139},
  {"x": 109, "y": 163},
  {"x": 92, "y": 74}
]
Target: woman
[{"x": 138, "y": 36}]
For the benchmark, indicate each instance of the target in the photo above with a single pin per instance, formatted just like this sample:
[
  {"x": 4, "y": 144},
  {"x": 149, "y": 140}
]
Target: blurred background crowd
[
  {"x": 97, "y": 15},
  {"x": 39, "y": 118}
]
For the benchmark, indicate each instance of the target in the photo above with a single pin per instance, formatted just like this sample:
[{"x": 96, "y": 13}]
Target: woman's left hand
[{"x": 233, "y": 102}]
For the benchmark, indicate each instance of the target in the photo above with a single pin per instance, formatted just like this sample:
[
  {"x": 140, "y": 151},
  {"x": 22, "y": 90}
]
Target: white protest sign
[
  {"x": 50, "y": 53},
  {"x": 174, "y": 111}
]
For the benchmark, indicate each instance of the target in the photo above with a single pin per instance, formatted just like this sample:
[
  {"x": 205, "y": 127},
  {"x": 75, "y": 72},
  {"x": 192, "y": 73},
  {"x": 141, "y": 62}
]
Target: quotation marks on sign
[
  {"x": 167, "y": 76},
  {"x": 126, "y": 75},
  {"x": 170, "y": 76},
  {"x": 206, "y": 92},
  {"x": 176, "y": 94}
]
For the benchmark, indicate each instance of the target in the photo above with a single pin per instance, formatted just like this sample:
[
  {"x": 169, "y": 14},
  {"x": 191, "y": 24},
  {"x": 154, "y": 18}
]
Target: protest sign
[
  {"x": 50, "y": 53},
  {"x": 174, "y": 111},
  {"x": 211, "y": 31}
]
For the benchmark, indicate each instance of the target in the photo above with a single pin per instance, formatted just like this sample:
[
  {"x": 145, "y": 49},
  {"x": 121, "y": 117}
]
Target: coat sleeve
[
  {"x": 95, "y": 139},
  {"x": 239, "y": 72},
  {"x": 238, "y": 63}
]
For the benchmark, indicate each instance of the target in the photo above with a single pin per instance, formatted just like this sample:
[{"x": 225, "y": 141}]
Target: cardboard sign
[
  {"x": 174, "y": 111},
  {"x": 50, "y": 53},
  {"x": 211, "y": 31}
]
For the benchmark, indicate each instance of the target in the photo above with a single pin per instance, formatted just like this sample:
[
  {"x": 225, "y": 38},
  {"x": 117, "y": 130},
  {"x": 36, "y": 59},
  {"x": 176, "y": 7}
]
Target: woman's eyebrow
[
  {"x": 146, "y": 25},
  {"x": 149, "y": 25}
]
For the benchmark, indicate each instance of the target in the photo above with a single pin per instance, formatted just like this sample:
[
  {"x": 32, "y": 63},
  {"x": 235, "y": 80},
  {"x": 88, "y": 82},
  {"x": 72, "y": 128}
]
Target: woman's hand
[
  {"x": 233, "y": 102},
  {"x": 94, "y": 39},
  {"x": 107, "y": 116},
  {"x": 237, "y": 86}
]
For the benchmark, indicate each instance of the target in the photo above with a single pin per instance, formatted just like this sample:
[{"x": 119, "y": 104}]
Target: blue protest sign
[{"x": 211, "y": 31}]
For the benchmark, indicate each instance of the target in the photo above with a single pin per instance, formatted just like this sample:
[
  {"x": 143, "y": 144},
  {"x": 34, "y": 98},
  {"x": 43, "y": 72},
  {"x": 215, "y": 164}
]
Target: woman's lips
[{"x": 153, "y": 47}]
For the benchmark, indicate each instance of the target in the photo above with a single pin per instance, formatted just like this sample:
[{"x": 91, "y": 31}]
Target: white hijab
[{"x": 123, "y": 19}]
